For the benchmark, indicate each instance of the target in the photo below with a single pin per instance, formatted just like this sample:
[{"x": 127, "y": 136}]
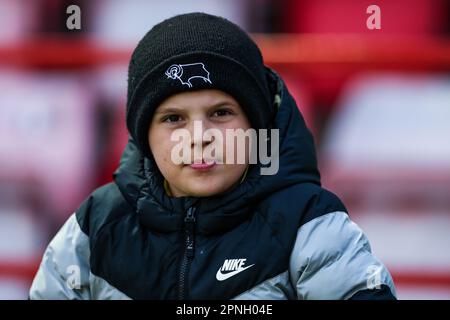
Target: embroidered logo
[
  {"x": 186, "y": 72},
  {"x": 230, "y": 268}
]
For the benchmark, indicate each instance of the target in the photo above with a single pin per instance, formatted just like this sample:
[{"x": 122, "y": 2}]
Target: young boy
[{"x": 208, "y": 226}]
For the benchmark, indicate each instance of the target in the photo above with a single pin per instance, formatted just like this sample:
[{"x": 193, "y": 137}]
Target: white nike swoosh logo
[{"x": 221, "y": 277}]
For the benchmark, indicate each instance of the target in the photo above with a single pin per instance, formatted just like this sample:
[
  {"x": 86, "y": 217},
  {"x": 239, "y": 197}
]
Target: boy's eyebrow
[
  {"x": 223, "y": 103},
  {"x": 175, "y": 109},
  {"x": 169, "y": 110}
]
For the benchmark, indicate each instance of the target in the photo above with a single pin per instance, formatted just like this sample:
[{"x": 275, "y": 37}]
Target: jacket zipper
[{"x": 188, "y": 255}]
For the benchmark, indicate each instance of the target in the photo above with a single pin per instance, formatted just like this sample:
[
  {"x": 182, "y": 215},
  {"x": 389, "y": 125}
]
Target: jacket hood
[{"x": 141, "y": 183}]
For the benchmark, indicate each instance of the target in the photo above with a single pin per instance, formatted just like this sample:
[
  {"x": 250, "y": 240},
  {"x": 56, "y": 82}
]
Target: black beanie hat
[{"x": 191, "y": 52}]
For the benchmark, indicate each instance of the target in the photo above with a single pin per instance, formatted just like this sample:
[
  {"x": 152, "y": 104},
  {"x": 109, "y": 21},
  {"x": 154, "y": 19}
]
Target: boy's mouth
[{"x": 205, "y": 165}]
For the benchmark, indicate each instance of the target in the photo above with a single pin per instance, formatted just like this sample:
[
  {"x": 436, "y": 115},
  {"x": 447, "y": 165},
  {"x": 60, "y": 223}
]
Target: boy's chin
[{"x": 206, "y": 190}]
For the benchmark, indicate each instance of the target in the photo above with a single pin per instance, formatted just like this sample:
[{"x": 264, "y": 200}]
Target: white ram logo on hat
[{"x": 186, "y": 72}]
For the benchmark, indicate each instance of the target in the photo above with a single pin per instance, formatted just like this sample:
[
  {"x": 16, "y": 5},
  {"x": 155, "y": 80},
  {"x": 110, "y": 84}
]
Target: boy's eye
[
  {"x": 222, "y": 113},
  {"x": 172, "y": 118}
]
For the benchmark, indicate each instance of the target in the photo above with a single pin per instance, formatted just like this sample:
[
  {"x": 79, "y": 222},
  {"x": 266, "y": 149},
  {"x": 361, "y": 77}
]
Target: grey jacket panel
[
  {"x": 276, "y": 288},
  {"x": 102, "y": 290},
  {"x": 64, "y": 273},
  {"x": 64, "y": 270},
  {"x": 332, "y": 259}
]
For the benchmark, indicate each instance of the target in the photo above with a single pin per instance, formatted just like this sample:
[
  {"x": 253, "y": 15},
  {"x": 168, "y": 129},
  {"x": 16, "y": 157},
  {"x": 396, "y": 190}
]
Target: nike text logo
[{"x": 233, "y": 266}]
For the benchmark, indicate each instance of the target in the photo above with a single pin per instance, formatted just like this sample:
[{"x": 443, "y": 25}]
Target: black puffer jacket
[{"x": 276, "y": 236}]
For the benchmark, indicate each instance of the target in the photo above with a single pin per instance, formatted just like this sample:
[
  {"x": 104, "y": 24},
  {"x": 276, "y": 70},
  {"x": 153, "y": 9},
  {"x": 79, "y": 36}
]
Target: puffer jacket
[{"x": 278, "y": 236}]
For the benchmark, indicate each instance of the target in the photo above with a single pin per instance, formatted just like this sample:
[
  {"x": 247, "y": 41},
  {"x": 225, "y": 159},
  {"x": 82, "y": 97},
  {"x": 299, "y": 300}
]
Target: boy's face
[{"x": 204, "y": 176}]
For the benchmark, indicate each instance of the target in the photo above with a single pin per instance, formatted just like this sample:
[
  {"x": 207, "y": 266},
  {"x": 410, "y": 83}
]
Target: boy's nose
[
  {"x": 197, "y": 130},
  {"x": 199, "y": 139}
]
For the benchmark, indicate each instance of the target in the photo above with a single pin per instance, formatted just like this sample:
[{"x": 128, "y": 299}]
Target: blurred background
[{"x": 377, "y": 102}]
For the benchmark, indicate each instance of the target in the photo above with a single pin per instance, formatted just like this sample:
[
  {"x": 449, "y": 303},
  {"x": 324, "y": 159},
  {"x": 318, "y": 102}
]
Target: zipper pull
[{"x": 189, "y": 222}]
